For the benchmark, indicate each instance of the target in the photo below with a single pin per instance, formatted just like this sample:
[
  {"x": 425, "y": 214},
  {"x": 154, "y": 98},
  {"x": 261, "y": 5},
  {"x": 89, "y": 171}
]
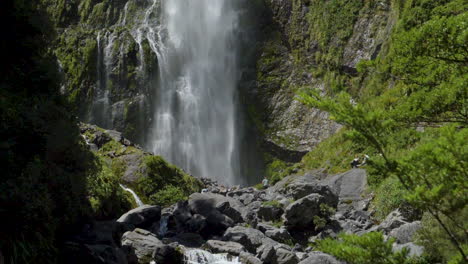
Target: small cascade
[
  {"x": 198, "y": 256},
  {"x": 135, "y": 196},
  {"x": 163, "y": 225}
]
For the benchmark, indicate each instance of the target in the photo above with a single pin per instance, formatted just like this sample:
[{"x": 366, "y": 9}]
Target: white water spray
[
  {"x": 198, "y": 256},
  {"x": 195, "y": 116},
  {"x": 135, "y": 196}
]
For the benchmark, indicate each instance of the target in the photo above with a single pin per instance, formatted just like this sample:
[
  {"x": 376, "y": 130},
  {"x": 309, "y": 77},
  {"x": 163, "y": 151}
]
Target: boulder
[
  {"x": 404, "y": 234},
  {"x": 247, "y": 258},
  {"x": 217, "y": 246},
  {"x": 248, "y": 237},
  {"x": 320, "y": 258},
  {"x": 414, "y": 250},
  {"x": 196, "y": 224},
  {"x": 300, "y": 189},
  {"x": 267, "y": 253},
  {"x": 142, "y": 244},
  {"x": 284, "y": 256},
  {"x": 142, "y": 217},
  {"x": 278, "y": 234},
  {"x": 210, "y": 205},
  {"x": 300, "y": 213},
  {"x": 147, "y": 247},
  {"x": 392, "y": 221},
  {"x": 269, "y": 212},
  {"x": 191, "y": 240}
]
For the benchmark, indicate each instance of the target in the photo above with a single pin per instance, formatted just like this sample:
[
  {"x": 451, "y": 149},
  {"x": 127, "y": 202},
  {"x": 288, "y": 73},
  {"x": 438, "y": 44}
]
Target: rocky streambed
[{"x": 244, "y": 225}]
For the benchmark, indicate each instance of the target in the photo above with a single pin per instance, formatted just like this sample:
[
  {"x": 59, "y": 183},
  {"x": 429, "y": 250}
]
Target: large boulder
[
  {"x": 404, "y": 234},
  {"x": 270, "y": 212},
  {"x": 285, "y": 256},
  {"x": 219, "y": 211},
  {"x": 142, "y": 217},
  {"x": 247, "y": 258},
  {"x": 392, "y": 221},
  {"x": 248, "y": 237},
  {"x": 216, "y": 246},
  {"x": 278, "y": 234},
  {"x": 147, "y": 247},
  {"x": 414, "y": 250},
  {"x": 300, "y": 214},
  {"x": 320, "y": 258}
]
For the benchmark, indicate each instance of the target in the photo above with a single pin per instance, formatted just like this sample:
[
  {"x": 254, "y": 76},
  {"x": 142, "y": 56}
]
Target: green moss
[
  {"x": 273, "y": 203},
  {"x": 163, "y": 179}
]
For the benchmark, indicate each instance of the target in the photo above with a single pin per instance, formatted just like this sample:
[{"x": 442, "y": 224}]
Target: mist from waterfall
[{"x": 195, "y": 117}]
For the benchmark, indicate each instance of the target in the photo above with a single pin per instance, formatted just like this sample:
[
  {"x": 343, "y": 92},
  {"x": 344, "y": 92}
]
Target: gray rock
[
  {"x": 142, "y": 243},
  {"x": 350, "y": 185},
  {"x": 209, "y": 205},
  {"x": 277, "y": 234},
  {"x": 300, "y": 213},
  {"x": 217, "y": 246},
  {"x": 196, "y": 224},
  {"x": 191, "y": 240},
  {"x": 320, "y": 258},
  {"x": 284, "y": 256},
  {"x": 248, "y": 237},
  {"x": 143, "y": 216},
  {"x": 267, "y": 253},
  {"x": 414, "y": 250},
  {"x": 300, "y": 189},
  {"x": 392, "y": 221},
  {"x": 115, "y": 135},
  {"x": 247, "y": 258},
  {"x": 269, "y": 212},
  {"x": 404, "y": 234}
]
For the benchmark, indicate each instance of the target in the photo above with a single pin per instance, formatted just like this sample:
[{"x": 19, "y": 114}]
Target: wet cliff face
[
  {"x": 109, "y": 67},
  {"x": 316, "y": 44}
]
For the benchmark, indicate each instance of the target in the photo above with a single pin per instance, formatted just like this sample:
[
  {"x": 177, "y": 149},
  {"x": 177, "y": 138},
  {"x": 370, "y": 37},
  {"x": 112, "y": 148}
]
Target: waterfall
[
  {"x": 135, "y": 196},
  {"x": 198, "y": 256},
  {"x": 195, "y": 121},
  {"x": 163, "y": 225},
  {"x": 101, "y": 108}
]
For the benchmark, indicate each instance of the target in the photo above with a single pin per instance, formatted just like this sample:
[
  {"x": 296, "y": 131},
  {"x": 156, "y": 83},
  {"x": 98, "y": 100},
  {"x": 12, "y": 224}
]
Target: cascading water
[
  {"x": 195, "y": 117},
  {"x": 198, "y": 256},
  {"x": 135, "y": 196}
]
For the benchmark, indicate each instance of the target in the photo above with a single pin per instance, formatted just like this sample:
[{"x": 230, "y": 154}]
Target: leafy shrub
[
  {"x": 108, "y": 199},
  {"x": 388, "y": 197},
  {"x": 370, "y": 248},
  {"x": 167, "y": 196},
  {"x": 164, "y": 178}
]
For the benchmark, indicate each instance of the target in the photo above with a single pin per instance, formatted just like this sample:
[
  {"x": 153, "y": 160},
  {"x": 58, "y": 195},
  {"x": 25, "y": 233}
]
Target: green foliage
[
  {"x": 426, "y": 63},
  {"x": 107, "y": 199},
  {"x": 164, "y": 179},
  {"x": 331, "y": 24},
  {"x": 168, "y": 196},
  {"x": 43, "y": 188},
  {"x": 277, "y": 170},
  {"x": 333, "y": 154},
  {"x": 389, "y": 195},
  {"x": 434, "y": 238},
  {"x": 273, "y": 203},
  {"x": 370, "y": 248}
]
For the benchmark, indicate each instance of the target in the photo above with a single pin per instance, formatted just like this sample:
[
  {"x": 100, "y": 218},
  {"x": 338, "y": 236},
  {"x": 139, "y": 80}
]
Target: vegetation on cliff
[{"x": 412, "y": 113}]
